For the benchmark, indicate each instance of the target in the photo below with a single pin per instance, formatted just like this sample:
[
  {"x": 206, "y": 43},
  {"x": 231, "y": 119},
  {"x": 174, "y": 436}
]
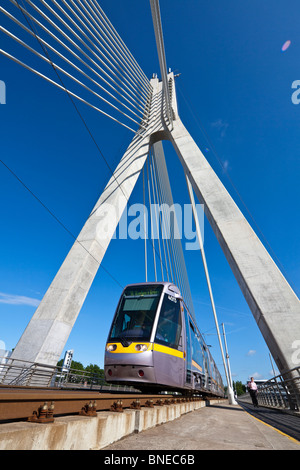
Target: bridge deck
[
  {"x": 220, "y": 427},
  {"x": 195, "y": 425}
]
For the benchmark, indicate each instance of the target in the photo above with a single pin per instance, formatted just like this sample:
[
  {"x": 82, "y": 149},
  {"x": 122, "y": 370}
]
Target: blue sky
[{"x": 234, "y": 95}]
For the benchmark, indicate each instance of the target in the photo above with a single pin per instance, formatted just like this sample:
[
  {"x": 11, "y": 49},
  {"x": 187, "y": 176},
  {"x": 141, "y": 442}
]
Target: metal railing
[
  {"x": 16, "y": 372},
  {"x": 281, "y": 392}
]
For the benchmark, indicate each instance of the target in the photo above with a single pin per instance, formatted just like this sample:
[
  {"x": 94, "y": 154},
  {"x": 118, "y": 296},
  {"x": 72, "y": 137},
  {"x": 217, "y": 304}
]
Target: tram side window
[
  {"x": 169, "y": 323},
  {"x": 196, "y": 347}
]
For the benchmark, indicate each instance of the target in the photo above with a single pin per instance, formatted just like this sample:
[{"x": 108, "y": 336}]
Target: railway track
[{"x": 43, "y": 405}]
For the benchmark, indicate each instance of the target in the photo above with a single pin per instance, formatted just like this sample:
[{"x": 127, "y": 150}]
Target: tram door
[{"x": 188, "y": 350}]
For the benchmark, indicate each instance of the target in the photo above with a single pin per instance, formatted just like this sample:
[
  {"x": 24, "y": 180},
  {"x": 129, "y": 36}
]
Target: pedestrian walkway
[
  {"x": 281, "y": 420},
  {"x": 216, "y": 427}
]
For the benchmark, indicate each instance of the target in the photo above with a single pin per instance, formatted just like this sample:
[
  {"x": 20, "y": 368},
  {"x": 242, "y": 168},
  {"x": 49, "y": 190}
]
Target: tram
[{"x": 154, "y": 344}]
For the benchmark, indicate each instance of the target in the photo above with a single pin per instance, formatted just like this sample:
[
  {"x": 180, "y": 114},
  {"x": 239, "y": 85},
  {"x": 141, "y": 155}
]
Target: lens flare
[{"x": 286, "y": 45}]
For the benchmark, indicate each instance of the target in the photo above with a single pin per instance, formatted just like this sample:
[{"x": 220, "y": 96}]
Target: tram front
[{"x": 128, "y": 354}]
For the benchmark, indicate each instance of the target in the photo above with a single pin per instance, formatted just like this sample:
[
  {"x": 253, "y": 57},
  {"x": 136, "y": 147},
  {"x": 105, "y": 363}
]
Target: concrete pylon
[
  {"x": 274, "y": 305},
  {"x": 45, "y": 337}
]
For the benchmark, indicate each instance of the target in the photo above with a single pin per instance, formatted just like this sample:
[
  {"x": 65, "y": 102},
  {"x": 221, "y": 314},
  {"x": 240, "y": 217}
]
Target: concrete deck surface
[{"x": 217, "y": 427}]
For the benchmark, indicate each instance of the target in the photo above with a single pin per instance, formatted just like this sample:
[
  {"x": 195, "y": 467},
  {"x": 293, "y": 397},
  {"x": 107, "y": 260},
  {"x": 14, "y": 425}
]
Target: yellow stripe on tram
[
  {"x": 131, "y": 349},
  {"x": 167, "y": 350},
  {"x": 196, "y": 365}
]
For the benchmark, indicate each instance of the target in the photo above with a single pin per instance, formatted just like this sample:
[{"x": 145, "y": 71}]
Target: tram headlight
[
  {"x": 111, "y": 347},
  {"x": 141, "y": 347}
]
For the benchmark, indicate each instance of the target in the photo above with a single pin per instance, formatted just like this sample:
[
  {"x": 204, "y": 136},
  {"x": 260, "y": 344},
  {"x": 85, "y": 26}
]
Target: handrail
[
  {"x": 17, "y": 372},
  {"x": 281, "y": 391}
]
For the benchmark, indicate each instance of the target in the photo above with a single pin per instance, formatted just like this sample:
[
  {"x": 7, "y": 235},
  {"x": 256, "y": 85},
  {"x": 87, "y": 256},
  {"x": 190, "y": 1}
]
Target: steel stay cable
[
  {"x": 160, "y": 214},
  {"x": 64, "y": 72},
  {"x": 179, "y": 255},
  {"x": 161, "y": 54},
  {"x": 70, "y": 97},
  {"x": 163, "y": 221},
  {"x": 25, "y": 12},
  {"x": 77, "y": 36},
  {"x": 151, "y": 240},
  {"x": 92, "y": 42},
  {"x": 155, "y": 210},
  {"x": 167, "y": 230},
  {"x": 135, "y": 74},
  {"x": 70, "y": 94},
  {"x": 151, "y": 221},
  {"x": 80, "y": 115},
  {"x": 57, "y": 219},
  {"x": 62, "y": 87},
  {"x": 52, "y": 23},
  {"x": 47, "y": 45},
  {"x": 104, "y": 43},
  {"x": 168, "y": 227},
  {"x": 165, "y": 238},
  {"x": 142, "y": 92},
  {"x": 215, "y": 153},
  {"x": 9, "y": 56},
  {"x": 102, "y": 14},
  {"x": 50, "y": 212},
  {"x": 180, "y": 267},
  {"x": 163, "y": 186}
]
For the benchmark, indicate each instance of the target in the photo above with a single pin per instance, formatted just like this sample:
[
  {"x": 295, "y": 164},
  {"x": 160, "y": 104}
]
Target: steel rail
[{"x": 25, "y": 403}]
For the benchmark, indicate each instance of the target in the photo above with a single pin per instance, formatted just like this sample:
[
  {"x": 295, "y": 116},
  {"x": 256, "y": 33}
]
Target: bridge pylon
[
  {"x": 45, "y": 337},
  {"x": 153, "y": 107},
  {"x": 273, "y": 303}
]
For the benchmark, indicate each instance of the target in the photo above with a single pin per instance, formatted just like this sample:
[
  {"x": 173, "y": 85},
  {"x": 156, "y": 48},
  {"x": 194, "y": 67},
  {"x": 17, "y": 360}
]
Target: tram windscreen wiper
[{"x": 124, "y": 341}]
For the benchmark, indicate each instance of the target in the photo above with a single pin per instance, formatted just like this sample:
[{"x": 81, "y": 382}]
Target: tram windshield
[{"x": 136, "y": 313}]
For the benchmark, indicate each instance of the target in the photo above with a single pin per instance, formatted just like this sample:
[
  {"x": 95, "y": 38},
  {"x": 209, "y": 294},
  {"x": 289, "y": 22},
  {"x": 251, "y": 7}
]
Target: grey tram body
[{"x": 175, "y": 356}]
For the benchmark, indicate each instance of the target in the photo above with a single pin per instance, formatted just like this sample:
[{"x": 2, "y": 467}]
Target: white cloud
[
  {"x": 221, "y": 126},
  {"x": 257, "y": 376},
  {"x": 225, "y": 165},
  {"x": 13, "y": 299},
  {"x": 251, "y": 352}
]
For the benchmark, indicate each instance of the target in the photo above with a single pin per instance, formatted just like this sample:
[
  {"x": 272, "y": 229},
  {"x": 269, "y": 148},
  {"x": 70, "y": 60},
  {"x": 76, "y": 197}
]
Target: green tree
[
  {"x": 74, "y": 365},
  {"x": 239, "y": 387},
  {"x": 94, "y": 374},
  {"x": 94, "y": 369}
]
